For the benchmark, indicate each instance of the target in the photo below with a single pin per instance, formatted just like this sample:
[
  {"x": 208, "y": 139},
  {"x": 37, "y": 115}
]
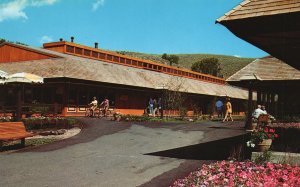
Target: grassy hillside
[{"x": 229, "y": 64}]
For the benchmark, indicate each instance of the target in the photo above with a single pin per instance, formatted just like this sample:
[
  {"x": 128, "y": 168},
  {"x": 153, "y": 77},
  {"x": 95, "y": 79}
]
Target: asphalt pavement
[{"x": 119, "y": 154}]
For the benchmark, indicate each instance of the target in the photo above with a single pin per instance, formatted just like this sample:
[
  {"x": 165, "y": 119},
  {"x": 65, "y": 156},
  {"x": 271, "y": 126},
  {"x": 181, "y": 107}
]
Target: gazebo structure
[
  {"x": 273, "y": 26},
  {"x": 277, "y": 85},
  {"x": 73, "y": 74}
]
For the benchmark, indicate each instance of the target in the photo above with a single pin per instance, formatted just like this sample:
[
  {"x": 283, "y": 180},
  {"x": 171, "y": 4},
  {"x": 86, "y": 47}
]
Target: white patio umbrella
[
  {"x": 24, "y": 78},
  {"x": 3, "y": 76},
  {"x": 20, "y": 79}
]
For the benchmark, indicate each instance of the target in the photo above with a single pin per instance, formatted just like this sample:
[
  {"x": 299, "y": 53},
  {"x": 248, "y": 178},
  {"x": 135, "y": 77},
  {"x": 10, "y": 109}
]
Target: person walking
[
  {"x": 228, "y": 110},
  {"x": 151, "y": 106},
  {"x": 219, "y": 106}
]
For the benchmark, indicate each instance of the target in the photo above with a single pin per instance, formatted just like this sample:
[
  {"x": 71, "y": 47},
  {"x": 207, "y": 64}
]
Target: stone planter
[{"x": 264, "y": 145}]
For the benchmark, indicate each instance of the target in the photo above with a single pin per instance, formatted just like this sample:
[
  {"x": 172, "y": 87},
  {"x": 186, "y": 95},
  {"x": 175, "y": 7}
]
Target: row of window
[{"x": 140, "y": 64}]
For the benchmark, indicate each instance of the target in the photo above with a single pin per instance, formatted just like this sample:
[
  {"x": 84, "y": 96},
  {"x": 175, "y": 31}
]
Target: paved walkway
[{"x": 108, "y": 153}]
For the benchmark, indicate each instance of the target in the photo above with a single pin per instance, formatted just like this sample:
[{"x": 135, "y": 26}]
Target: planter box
[{"x": 280, "y": 157}]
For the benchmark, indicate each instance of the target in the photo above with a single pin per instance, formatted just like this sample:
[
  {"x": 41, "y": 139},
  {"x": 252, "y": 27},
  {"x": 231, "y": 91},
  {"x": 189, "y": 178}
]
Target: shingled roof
[
  {"x": 74, "y": 67},
  {"x": 256, "y": 8},
  {"x": 268, "y": 68},
  {"x": 271, "y": 25}
]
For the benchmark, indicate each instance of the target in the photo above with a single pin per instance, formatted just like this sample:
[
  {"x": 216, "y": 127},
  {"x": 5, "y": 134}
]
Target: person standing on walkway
[
  {"x": 219, "y": 106},
  {"x": 228, "y": 110},
  {"x": 151, "y": 105},
  {"x": 155, "y": 107}
]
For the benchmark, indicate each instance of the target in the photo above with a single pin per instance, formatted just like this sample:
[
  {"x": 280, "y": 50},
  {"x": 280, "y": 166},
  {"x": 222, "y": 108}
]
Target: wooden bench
[{"x": 13, "y": 131}]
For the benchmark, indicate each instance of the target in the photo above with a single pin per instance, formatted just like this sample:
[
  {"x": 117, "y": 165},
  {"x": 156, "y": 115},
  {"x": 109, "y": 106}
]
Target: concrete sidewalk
[{"x": 108, "y": 153}]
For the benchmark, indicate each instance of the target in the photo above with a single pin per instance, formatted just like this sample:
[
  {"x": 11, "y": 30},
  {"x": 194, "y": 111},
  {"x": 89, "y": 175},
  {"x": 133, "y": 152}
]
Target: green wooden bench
[{"x": 13, "y": 131}]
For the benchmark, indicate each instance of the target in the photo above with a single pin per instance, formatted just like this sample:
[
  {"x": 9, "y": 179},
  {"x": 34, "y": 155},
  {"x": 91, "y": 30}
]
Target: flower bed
[{"x": 230, "y": 173}]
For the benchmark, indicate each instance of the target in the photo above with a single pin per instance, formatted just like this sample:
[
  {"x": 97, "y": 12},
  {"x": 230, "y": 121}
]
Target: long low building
[{"x": 75, "y": 73}]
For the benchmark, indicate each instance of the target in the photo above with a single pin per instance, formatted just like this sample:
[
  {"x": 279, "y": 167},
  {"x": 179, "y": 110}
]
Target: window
[
  {"x": 128, "y": 61},
  {"x": 95, "y": 54},
  {"x": 70, "y": 49},
  {"x": 116, "y": 58},
  {"x": 102, "y": 55},
  {"x": 78, "y": 50},
  {"x": 87, "y": 52},
  {"x": 109, "y": 57},
  {"x": 122, "y": 60}
]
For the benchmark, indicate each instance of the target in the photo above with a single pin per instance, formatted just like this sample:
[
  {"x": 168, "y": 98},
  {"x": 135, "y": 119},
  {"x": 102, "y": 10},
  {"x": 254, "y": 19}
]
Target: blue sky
[{"x": 150, "y": 26}]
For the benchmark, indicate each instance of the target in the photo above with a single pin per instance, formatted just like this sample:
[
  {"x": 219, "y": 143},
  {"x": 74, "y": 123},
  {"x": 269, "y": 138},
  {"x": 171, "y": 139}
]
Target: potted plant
[
  {"x": 261, "y": 138},
  {"x": 253, "y": 124}
]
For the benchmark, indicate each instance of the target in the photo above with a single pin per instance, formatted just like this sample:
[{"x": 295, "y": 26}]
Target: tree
[
  {"x": 173, "y": 59},
  {"x": 164, "y": 56},
  {"x": 174, "y": 97},
  {"x": 2, "y": 40},
  {"x": 207, "y": 66}
]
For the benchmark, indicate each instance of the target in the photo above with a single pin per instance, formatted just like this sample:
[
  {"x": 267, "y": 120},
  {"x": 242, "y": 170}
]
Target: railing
[
  {"x": 97, "y": 54},
  {"x": 32, "y": 109}
]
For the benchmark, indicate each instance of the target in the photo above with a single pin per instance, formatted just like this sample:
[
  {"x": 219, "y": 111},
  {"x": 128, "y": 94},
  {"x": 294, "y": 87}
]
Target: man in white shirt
[
  {"x": 257, "y": 112},
  {"x": 93, "y": 106}
]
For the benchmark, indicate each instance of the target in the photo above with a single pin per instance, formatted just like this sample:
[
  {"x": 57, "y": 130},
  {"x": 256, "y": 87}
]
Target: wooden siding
[
  {"x": 12, "y": 53},
  {"x": 107, "y": 56}
]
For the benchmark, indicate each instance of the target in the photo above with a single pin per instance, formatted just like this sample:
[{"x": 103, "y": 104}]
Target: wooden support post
[
  {"x": 259, "y": 97},
  {"x": 23, "y": 142},
  {"x": 19, "y": 104},
  {"x": 250, "y": 108},
  {"x": 1, "y": 145}
]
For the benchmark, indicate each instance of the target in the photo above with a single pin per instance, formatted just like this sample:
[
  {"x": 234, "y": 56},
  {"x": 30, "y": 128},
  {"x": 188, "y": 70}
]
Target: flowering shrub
[
  {"x": 261, "y": 134},
  {"x": 230, "y": 173},
  {"x": 42, "y": 122}
]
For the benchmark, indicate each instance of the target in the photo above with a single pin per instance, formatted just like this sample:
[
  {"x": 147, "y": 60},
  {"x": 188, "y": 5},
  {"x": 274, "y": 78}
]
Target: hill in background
[{"x": 229, "y": 64}]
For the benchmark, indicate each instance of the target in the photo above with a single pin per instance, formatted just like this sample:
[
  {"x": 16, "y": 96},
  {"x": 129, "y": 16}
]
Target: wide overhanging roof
[
  {"x": 69, "y": 66},
  {"x": 268, "y": 73},
  {"x": 271, "y": 25}
]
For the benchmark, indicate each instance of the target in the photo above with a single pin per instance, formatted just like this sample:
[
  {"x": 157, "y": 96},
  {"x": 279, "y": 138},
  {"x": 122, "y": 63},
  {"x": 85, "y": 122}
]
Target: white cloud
[
  {"x": 237, "y": 56},
  {"x": 42, "y": 2},
  {"x": 45, "y": 39},
  {"x": 15, "y": 9},
  {"x": 97, "y": 4}
]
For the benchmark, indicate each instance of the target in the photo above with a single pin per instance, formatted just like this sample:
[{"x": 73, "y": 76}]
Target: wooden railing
[{"x": 32, "y": 109}]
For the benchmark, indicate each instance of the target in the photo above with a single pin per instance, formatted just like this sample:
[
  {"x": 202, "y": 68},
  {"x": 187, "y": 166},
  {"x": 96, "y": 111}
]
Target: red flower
[
  {"x": 266, "y": 129},
  {"x": 272, "y": 130},
  {"x": 276, "y": 135}
]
